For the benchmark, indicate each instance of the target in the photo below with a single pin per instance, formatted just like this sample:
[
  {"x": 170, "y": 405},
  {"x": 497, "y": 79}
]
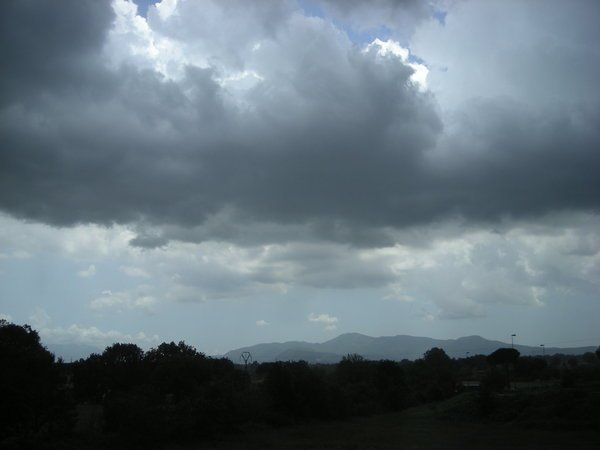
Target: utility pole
[
  {"x": 512, "y": 343},
  {"x": 543, "y": 349},
  {"x": 246, "y": 357}
]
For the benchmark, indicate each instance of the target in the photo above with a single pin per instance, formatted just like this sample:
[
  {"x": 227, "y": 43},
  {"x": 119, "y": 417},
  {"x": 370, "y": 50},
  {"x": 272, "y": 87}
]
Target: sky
[{"x": 230, "y": 173}]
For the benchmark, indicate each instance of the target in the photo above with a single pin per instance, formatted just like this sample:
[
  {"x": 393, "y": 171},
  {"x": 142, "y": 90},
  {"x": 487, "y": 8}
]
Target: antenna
[{"x": 246, "y": 357}]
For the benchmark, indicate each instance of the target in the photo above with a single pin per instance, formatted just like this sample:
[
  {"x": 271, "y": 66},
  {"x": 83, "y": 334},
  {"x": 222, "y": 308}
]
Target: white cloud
[
  {"x": 87, "y": 273},
  {"x": 389, "y": 47},
  {"x": 455, "y": 271},
  {"x": 134, "y": 272},
  {"x": 40, "y": 318},
  {"x": 23, "y": 240},
  {"x": 393, "y": 48},
  {"x": 261, "y": 323},
  {"x": 74, "y": 333},
  {"x": 524, "y": 265},
  {"x": 137, "y": 299},
  {"x": 511, "y": 55},
  {"x": 330, "y": 322},
  {"x": 94, "y": 336},
  {"x": 166, "y": 8}
]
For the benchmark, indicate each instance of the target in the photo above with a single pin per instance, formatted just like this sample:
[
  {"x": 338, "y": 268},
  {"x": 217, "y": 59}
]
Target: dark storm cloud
[
  {"x": 49, "y": 46},
  {"x": 527, "y": 162},
  {"x": 335, "y": 143}
]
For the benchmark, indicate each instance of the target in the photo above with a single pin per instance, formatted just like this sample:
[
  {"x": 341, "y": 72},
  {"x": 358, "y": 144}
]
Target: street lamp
[
  {"x": 512, "y": 343},
  {"x": 543, "y": 349}
]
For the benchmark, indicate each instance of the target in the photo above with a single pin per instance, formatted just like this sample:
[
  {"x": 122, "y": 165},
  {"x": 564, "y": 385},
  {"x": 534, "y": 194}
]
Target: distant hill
[{"x": 385, "y": 347}]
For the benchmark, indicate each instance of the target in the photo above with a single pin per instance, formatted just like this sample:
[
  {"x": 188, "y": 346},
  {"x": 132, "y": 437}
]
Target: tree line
[{"x": 175, "y": 393}]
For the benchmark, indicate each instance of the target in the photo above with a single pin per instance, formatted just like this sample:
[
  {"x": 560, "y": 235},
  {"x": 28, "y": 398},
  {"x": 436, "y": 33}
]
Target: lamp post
[
  {"x": 512, "y": 343},
  {"x": 543, "y": 349}
]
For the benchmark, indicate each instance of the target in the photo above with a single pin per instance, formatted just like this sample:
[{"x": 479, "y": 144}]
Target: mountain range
[
  {"x": 385, "y": 347},
  {"x": 375, "y": 348}
]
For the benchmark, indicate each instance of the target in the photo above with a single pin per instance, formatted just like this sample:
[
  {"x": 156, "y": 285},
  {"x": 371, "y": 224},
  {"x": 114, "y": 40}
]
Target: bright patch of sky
[
  {"x": 143, "y": 5},
  {"x": 393, "y": 48}
]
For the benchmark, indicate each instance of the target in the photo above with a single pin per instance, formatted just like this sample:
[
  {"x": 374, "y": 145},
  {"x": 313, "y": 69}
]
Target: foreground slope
[{"x": 415, "y": 428}]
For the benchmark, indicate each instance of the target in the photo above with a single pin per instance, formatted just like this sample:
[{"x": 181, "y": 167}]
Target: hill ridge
[{"x": 396, "y": 347}]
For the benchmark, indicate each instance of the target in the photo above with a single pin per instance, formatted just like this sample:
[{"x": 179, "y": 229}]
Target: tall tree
[
  {"x": 30, "y": 382},
  {"x": 505, "y": 357}
]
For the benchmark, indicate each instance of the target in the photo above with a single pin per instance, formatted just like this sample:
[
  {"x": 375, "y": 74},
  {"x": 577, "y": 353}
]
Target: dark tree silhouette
[
  {"x": 122, "y": 366},
  {"x": 123, "y": 355},
  {"x": 530, "y": 368},
  {"x": 30, "y": 384},
  {"x": 505, "y": 357},
  {"x": 295, "y": 390},
  {"x": 352, "y": 369},
  {"x": 390, "y": 382},
  {"x": 118, "y": 368},
  {"x": 437, "y": 371},
  {"x": 89, "y": 379},
  {"x": 176, "y": 368},
  {"x": 437, "y": 359}
]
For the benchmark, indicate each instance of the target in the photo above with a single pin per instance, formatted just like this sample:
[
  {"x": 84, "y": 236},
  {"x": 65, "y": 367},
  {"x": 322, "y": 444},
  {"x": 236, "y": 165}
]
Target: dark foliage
[
  {"x": 506, "y": 357},
  {"x": 33, "y": 396},
  {"x": 503, "y": 356},
  {"x": 494, "y": 380},
  {"x": 432, "y": 378},
  {"x": 173, "y": 393},
  {"x": 531, "y": 368}
]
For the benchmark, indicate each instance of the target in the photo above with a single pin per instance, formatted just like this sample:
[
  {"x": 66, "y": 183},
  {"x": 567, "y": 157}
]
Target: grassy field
[
  {"x": 545, "y": 419},
  {"x": 425, "y": 427}
]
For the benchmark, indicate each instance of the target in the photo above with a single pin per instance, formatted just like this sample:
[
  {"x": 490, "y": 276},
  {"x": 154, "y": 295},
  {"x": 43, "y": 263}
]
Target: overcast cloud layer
[{"x": 444, "y": 154}]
